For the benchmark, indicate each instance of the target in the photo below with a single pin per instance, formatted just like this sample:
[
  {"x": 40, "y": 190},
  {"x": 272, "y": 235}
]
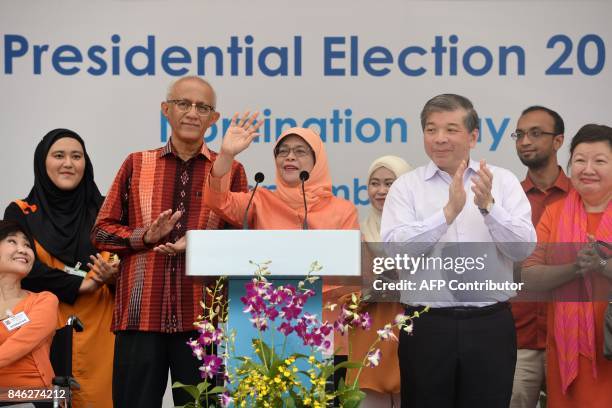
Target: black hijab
[{"x": 63, "y": 219}]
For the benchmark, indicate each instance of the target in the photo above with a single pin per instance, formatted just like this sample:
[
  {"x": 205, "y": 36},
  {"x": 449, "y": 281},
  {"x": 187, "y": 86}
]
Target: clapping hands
[
  {"x": 588, "y": 259},
  {"x": 483, "y": 183},
  {"x": 161, "y": 227},
  {"x": 456, "y": 195},
  {"x": 103, "y": 271},
  {"x": 172, "y": 249}
]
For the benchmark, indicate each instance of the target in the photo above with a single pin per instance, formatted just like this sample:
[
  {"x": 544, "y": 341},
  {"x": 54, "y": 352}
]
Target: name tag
[
  {"x": 16, "y": 321},
  {"x": 75, "y": 271}
]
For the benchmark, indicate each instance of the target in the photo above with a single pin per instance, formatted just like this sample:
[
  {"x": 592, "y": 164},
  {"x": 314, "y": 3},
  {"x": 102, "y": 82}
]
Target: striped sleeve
[{"x": 112, "y": 232}]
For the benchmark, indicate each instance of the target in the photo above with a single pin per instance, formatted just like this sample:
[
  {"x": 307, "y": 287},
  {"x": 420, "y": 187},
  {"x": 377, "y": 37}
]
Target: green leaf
[
  {"x": 202, "y": 386},
  {"x": 348, "y": 364},
  {"x": 274, "y": 368},
  {"x": 351, "y": 397},
  {"x": 264, "y": 353},
  {"x": 187, "y": 405},
  {"x": 249, "y": 365},
  {"x": 289, "y": 402},
  {"x": 217, "y": 390},
  {"x": 341, "y": 386},
  {"x": 191, "y": 389}
]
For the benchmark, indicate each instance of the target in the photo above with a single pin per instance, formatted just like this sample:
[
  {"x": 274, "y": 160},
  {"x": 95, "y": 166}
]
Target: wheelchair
[{"x": 61, "y": 360}]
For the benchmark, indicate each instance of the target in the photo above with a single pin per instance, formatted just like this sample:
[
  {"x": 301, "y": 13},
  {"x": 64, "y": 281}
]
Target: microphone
[
  {"x": 304, "y": 175},
  {"x": 259, "y": 177}
]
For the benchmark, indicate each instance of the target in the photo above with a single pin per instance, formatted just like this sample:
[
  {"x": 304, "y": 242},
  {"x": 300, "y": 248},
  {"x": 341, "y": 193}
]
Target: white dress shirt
[{"x": 413, "y": 213}]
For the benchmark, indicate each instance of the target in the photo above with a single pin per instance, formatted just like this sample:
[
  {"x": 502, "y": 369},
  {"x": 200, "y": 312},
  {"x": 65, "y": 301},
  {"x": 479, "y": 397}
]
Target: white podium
[{"x": 228, "y": 252}]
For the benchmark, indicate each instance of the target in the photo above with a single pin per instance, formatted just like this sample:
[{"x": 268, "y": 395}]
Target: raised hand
[
  {"x": 482, "y": 185},
  {"x": 240, "y": 134},
  {"x": 161, "y": 227},
  {"x": 456, "y": 195},
  {"x": 172, "y": 249}
]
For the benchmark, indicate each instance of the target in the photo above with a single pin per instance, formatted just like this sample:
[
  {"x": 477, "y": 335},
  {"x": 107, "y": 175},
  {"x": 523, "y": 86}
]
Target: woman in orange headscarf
[
  {"x": 577, "y": 373},
  {"x": 297, "y": 150},
  {"x": 382, "y": 383}
]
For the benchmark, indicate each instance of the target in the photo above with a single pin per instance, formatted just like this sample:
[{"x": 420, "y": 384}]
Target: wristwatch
[{"x": 488, "y": 208}]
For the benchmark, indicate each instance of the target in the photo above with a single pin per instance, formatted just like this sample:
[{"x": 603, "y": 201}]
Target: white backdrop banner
[{"x": 358, "y": 71}]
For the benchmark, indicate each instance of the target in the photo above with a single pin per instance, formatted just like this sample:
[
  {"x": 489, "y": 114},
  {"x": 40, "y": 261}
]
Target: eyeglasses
[
  {"x": 299, "y": 151},
  {"x": 532, "y": 133},
  {"x": 185, "y": 106}
]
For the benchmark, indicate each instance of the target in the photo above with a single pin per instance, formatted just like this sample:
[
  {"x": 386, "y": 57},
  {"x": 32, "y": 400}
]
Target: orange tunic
[
  {"x": 384, "y": 378},
  {"x": 585, "y": 391},
  {"x": 269, "y": 212},
  {"x": 24, "y": 352},
  {"x": 93, "y": 348}
]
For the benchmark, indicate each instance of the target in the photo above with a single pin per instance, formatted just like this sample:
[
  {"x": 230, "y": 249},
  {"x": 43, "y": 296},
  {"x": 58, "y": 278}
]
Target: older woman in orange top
[
  {"x": 27, "y": 319},
  {"x": 296, "y": 150},
  {"x": 577, "y": 373}
]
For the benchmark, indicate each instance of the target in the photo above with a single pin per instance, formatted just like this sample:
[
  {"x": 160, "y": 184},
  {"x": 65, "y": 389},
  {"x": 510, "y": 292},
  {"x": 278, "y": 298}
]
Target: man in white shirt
[{"x": 463, "y": 350}]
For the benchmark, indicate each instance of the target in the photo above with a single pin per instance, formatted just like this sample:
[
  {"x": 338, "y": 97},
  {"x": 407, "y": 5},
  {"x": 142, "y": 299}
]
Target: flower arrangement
[{"x": 272, "y": 378}]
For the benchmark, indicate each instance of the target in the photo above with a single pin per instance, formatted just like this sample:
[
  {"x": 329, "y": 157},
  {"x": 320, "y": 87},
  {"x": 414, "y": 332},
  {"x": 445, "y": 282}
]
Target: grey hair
[
  {"x": 449, "y": 103},
  {"x": 173, "y": 84}
]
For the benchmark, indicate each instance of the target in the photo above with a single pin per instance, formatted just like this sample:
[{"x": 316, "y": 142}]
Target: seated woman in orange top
[
  {"x": 296, "y": 150},
  {"x": 577, "y": 374},
  {"x": 28, "y": 319}
]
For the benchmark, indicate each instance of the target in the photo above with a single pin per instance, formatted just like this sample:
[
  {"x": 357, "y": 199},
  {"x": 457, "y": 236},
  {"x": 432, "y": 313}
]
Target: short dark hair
[
  {"x": 591, "y": 133},
  {"x": 557, "y": 119},
  {"x": 9, "y": 227},
  {"x": 449, "y": 103}
]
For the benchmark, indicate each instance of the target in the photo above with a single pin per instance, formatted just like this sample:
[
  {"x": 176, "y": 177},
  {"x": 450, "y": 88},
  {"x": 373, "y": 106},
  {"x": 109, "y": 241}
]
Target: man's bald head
[{"x": 171, "y": 89}]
